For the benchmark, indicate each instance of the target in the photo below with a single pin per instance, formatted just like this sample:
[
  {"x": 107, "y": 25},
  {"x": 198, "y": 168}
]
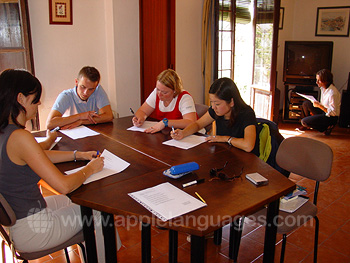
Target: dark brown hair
[{"x": 13, "y": 82}]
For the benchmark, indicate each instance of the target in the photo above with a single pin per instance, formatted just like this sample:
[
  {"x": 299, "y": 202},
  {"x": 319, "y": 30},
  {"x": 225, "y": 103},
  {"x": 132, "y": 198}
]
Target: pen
[
  {"x": 98, "y": 153},
  {"x": 133, "y": 113},
  {"x": 172, "y": 128},
  {"x": 200, "y": 197},
  {"x": 56, "y": 129},
  {"x": 193, "y": 182}
]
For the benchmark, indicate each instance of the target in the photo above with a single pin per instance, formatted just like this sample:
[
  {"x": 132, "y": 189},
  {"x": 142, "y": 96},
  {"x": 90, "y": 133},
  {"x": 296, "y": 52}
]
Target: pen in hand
[
  {"x": 56, "y": 129},
  {"x": 133, "y": 113},
  {"x": 98, "y": 154},
  {"x": 172, "y": 128}
]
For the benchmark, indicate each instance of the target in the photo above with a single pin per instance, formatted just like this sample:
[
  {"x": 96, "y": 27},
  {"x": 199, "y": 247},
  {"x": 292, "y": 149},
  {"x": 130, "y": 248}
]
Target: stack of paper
[
  {"x": 41, "y": 139},
  {"x": 145, "y": 125},
  {"x": 166, "y": 201},
  {"x": 79, "y": 132},
  {"x": 187, "y": 142},
  {"x": 112, "y": 165}
]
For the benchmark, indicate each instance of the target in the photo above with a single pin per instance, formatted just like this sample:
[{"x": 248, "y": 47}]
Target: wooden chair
[{"x": 8, "y": 218}]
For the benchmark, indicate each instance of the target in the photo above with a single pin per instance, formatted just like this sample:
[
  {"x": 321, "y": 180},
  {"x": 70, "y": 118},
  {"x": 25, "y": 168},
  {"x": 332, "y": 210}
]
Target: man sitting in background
[{"x": 86, "y": 103}]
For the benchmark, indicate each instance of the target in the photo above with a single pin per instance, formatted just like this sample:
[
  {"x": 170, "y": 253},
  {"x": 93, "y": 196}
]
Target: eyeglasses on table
[{"x": 216, "y": 174}]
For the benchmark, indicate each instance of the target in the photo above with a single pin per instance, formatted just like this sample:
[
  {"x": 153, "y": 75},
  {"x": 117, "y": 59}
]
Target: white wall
[
  {"x": 188, "y": 46},
  {"x": 299, "y": 25},
  {"x": 127, "y": 55},
  {"x": 104, "y": 34}
]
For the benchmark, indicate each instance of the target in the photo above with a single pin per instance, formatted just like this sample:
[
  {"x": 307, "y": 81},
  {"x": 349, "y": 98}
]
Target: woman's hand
[
  {"x": 137, "y": 121},
  {"x": 51, "y": 135},
  {"x": 217, "y": 138},
  {"x": 96, "y": 164},
  {"x": 156, "y": 128},
  {"x": 86, "y": 155},
  {"x": 177, "y": 134}
]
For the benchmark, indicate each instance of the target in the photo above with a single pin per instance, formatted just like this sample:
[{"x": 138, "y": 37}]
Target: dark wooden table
[
  {"x": 227, "y": 201},
  {"x": 151, "y": 144}
]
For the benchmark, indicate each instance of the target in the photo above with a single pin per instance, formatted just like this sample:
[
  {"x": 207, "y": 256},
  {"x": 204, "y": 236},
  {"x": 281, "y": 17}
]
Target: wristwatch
[
  {"x": 229, "y": 140},
  {"x": 165, "y": 121}
]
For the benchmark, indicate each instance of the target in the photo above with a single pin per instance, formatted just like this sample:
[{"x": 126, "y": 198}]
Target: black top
[
  {"x": 18, "y": 183},
  {"x": 244, "y": 118}
]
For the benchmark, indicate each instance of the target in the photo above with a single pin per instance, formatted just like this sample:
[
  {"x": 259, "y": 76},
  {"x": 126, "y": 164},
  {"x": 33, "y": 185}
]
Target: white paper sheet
[
  {"x": 309, "y": 97},
  {"x": 187, "y": 142},
  {"x": 167, "y": 201},
  {"x": 145, "y": 125},
  {"x": 41, "y": 139},
  {"x": 112, "y": 165},
  {"x": 79, "y": 132}
]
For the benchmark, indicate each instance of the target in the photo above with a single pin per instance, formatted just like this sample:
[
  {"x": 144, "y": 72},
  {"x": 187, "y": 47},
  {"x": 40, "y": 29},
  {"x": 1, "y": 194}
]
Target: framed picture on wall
[
  {"x": 333, "y": 21},
  {"x": 61, "y": 12},
  {"x": 281, "y": 18}
]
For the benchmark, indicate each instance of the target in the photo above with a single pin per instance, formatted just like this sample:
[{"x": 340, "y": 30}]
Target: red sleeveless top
[{"x": 172, "y": 115}]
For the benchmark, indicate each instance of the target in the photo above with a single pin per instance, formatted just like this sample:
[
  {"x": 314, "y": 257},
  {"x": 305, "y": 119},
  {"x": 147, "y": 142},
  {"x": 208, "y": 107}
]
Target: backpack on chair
[{"x": 269, "y": 140}]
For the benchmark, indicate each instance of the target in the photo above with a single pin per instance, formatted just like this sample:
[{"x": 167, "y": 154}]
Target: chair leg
[
  {"x": 316, "y": 238},
  {"x": 236, "y": 230},
  {"x": 283, "y": 250},
  {"x": 83, "y": 251},
  {"x": 3, "y": 251},
  {"x": 67, "y": 255}
]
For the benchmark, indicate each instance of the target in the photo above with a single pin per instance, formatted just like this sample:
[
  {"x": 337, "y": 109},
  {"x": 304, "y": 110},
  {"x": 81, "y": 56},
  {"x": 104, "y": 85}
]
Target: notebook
[{"x": 291, "y": 205}]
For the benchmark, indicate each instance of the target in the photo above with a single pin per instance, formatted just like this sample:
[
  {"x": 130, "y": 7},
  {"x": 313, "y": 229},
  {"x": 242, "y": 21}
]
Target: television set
[{"x": 302, "y": 60}]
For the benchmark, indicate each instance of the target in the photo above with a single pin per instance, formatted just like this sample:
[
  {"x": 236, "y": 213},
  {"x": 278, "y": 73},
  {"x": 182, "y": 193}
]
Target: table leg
[
  {"x": 197, "y": 249},
  {"x": 89, "y": 233},
  {"x": 236, "y": 229},
  {"x": 218, "y": 236},
  {"x": 271, "y": 231},
  {"x": 146, "y": 242},
  {"x": 173, "y": 238},
  {"x": 108, "y": 230}
]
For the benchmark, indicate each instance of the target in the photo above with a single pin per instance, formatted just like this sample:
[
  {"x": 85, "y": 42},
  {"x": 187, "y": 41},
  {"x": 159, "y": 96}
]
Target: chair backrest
[
  {"x": 7, "y": 215},
  {"x": 201, "y": 109},
  {"x": 273, "y": 144},
  {"x": 306, "y": 157}
]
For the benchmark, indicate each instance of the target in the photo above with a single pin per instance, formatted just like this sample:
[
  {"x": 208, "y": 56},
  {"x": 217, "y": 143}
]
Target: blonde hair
[{"x": 172, "y": 80}]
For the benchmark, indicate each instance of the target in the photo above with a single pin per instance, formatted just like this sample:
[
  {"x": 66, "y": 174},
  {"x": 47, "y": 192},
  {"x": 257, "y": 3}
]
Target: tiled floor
[{"x": 333, "y": 205}]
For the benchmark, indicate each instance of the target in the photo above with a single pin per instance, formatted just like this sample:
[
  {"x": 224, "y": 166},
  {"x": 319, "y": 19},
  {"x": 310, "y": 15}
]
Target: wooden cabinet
[{"x": 292, "y": 108}]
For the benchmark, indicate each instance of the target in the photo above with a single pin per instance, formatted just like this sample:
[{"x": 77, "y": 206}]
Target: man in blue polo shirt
[{"x": 86, "y": 103}]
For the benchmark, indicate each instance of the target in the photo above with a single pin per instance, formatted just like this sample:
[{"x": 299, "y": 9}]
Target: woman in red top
[{"x": 169, "y": 103}]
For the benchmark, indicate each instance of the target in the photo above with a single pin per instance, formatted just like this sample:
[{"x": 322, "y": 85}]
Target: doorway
[{"x": 157, "y": 41}]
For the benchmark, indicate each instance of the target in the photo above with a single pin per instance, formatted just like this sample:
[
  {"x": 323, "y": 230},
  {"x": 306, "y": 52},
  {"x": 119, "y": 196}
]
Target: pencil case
[{"x": 180, "y": 170}]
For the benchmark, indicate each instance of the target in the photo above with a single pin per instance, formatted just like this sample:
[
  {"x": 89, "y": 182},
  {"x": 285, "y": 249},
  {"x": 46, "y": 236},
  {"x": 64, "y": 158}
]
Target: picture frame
[
  {"x": 333, "y": 21},
  {"x": 280, "y": 26},
  {"x": 61, "y": 12}
]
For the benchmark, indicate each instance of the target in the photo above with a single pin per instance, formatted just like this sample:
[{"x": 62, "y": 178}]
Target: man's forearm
[
  {"x": 104, "y": 117},
  {"x": 62, "y": 121}
]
